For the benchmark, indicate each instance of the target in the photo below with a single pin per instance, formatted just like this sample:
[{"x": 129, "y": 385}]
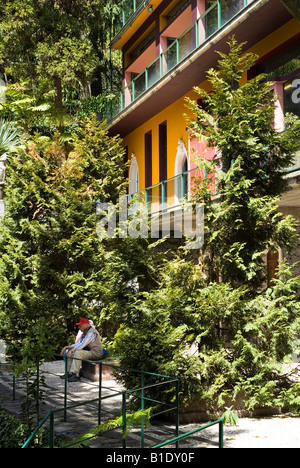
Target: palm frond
[{"x": 10, "y": 137}]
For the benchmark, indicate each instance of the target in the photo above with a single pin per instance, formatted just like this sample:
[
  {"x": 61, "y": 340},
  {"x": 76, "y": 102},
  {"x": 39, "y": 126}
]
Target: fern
[{"x": 134, "y": 419}]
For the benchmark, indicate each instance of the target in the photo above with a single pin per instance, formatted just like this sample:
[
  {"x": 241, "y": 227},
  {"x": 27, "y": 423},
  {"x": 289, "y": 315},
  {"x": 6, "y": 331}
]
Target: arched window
[
  {"x": 133, "y": 176},
  {"x": 181, "y": 169}
]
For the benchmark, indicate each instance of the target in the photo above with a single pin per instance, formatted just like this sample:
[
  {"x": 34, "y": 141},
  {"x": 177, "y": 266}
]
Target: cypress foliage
[
  {"x": 215, "y": 324},
  {"x": 52, "y": 260}
]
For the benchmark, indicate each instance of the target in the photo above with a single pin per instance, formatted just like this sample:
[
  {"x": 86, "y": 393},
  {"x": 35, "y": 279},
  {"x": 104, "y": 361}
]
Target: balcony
[
  {"x": 169, "y": 195},
  {"x": 130, "y": 10},
  {"x": 180, "y": 48},
  {"x": 184, "y": 63}
]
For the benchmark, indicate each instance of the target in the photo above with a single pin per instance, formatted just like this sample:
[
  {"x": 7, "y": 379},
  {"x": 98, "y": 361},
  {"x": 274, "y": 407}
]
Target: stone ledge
[{"x": 91, "y": 371}]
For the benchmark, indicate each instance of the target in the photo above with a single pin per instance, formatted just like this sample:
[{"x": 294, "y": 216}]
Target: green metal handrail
[
  {"x": 50, "y": 416},
  {"x": 219, "y": 421},
  {"x": 124, "y": 393}
]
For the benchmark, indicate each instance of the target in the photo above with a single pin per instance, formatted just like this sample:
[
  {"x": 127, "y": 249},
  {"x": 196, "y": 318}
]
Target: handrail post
[
  {"x": 142, "y": 405},
  {"x": 38, "y": 389},
  {"x": 182, "y": 185},
  {"x": 177, "y": 411},
  {"x": 177, "y": 51},
  {"x": 163, "y": 195},
  {"x": 124, "y": 418},
  {"x": 197, "y": 38},
  {"x": 14, "y": 372},
  {"x": 65, "y": 388},
  {"x": 122, "y": 100},
  {"x": 146, "y": 79},
  {"x": 219, "y": 15},
  {"x": 51, "y": 441},
  {"x": 100, "y": 392},
  {"x": 221, "y": 435},
  {"x": 161, "y": 65}
]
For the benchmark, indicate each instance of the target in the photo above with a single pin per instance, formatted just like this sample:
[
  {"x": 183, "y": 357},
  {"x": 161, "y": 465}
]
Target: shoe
[
  {"x": 73, "y": 378},
  {"x": 64, "y": 375}
]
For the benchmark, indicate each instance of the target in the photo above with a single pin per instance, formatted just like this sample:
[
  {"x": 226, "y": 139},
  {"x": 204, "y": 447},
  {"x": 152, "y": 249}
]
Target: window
[
  {"x": 142, "y": 46},
  {"x": 162, "y": 131},
  {"x": 181, "y": 169},
  {"x": 148, "y": 165},
  {"x": 229, "y": 8},
  {"x": 148, "y": 159},
  {"x": 176, "y": 10},
  {"x": 163, "y": 151}
]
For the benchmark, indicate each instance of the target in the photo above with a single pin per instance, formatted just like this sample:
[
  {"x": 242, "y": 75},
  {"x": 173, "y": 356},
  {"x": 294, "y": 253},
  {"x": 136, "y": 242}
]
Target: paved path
[{"x": 268, "y": 432}]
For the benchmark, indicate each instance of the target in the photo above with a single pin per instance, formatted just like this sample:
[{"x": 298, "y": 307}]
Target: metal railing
[
  {"x": 140, "y": 393},
  {"x": 168, "y": 194},
  {"x": 171, "y": 193},
  {"x": 124, "y": 395},
  {"x": 190, "y": 40},
  {"x": 129, "y": 9},
  {"x": 220, "y": 423}
]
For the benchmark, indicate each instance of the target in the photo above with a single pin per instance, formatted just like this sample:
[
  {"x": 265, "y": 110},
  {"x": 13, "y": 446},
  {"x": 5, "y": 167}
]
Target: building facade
[{"x": 167, "y": 48}]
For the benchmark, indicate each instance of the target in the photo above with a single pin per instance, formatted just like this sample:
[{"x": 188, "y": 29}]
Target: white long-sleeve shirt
[{"x": 92, "y": 340}]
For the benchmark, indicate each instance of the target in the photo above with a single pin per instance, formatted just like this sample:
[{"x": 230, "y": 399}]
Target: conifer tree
[
  {"x": 242, "y": 220},
  {"x": 215, "y": 324},
  {"x": 58, "y": 50},
  {"x": 53, "y": 265}
]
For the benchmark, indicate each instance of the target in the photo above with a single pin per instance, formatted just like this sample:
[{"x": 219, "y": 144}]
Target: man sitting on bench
[{"x": 89, "y": 347}]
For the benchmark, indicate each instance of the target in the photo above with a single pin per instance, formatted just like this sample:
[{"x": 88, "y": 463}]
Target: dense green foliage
[
  {"x": 51, "y": 257},
  {"x": 239, "y": 122},
  {"x": 53, "y": 265},
  {"x": 215, "y": 324},
  {"x": 10, "y": 137},
  {"x": 221, "y": 345},
  {"x": 13, "y": 433},
  {"x": 57, "y": 54}
]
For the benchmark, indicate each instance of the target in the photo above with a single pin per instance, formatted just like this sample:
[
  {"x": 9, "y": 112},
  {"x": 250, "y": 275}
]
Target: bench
[{"x": 91, "y": 370}]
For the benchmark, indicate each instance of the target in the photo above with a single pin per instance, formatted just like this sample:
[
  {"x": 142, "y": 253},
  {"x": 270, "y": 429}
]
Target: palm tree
[{"x": 10, "y": 137}]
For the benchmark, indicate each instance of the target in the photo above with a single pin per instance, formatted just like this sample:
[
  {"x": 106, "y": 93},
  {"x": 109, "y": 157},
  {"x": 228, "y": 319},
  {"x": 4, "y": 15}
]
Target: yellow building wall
[
  {"x": 278, "y": 37},
  {"x": 176, "y": 129},
  {"x": 177, "y": 123}
]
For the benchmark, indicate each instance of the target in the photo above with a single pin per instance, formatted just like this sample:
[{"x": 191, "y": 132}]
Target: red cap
[{"x": 82, "y": 321}]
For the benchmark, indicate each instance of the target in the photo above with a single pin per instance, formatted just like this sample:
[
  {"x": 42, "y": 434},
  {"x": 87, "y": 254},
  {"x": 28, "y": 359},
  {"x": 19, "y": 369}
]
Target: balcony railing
[
  {"x": 296, "y": 164},
  {"x": 211, "y": 21},
  {"x": 130, "y": 8},
  {"x": 168, "y": 194}
]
